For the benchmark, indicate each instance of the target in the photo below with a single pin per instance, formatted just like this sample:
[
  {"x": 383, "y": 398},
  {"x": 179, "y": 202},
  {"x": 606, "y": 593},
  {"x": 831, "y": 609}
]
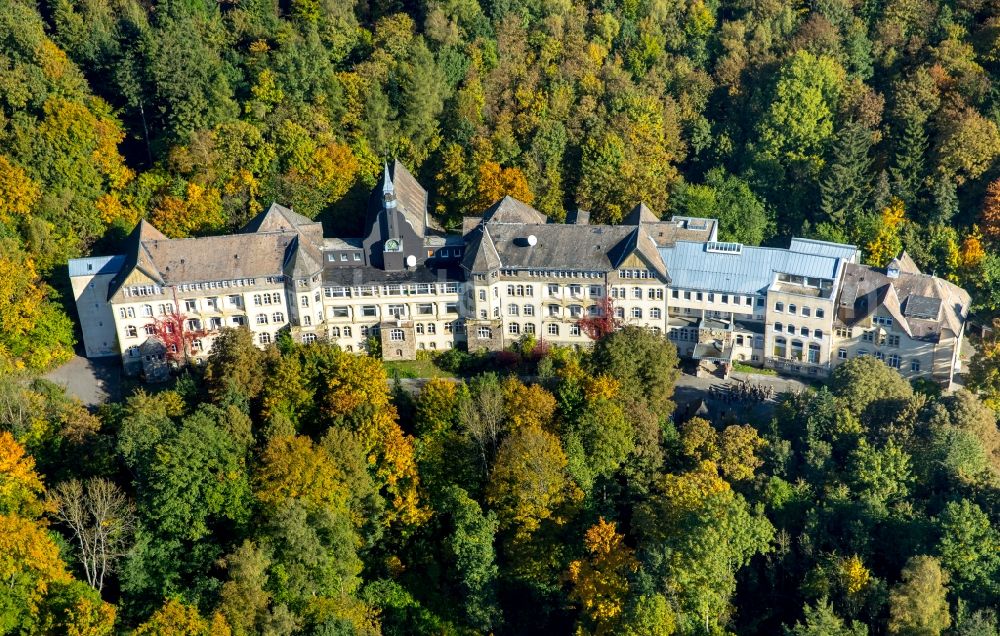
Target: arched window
[
  {"x": 278, "y": 317},
  {"x": 513, "y": 329},
  {"x": 814, "y": 353},
  {"x": 431, "y": 328},
  {"x": 256, "y": 299},
  {"x": 419, "y": 328},
  {"x": 796, "y": 349},
  {"x": 779, "y": 347},
  {"x": 334, "y": 332},
  {"x": 779, "y": 327},
  {"x": 347, "y": 332}
]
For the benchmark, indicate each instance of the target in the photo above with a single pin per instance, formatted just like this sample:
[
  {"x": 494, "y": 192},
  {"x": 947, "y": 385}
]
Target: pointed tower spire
[
  {"x": 388, "y": 190},
  {"x": 387, "y": 187}
]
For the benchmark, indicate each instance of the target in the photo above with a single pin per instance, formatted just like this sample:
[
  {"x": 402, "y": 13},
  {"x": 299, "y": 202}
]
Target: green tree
[
  {"x": 470, "y": 549},
  {"x": 645, "y": 364},
  {"x": 797, "y": 128},
  {"x": 918, "y": 606},
  {"x": 743, "y": 217},
  {"x": 864, "y": 381},
  {"x": 697, "y": 533},
  {"x": 820, "y": 620},
  {"x": 970, "y": 549},
  {"x": 234, "y": 365},
  {"x": 845, "y": 189}
]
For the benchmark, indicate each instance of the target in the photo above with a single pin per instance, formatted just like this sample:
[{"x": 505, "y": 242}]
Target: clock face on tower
[{"x": 392, "y": 245}]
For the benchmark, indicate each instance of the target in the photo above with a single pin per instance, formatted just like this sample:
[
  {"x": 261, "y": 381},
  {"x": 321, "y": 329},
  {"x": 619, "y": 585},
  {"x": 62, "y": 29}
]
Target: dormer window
[{"x": 392, "y": 245}]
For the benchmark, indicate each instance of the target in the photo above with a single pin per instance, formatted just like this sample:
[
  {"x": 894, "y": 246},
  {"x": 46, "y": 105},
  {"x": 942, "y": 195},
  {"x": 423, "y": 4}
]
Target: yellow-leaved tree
[
  {"x": 34, "y": 334},
  {"x": 177, "y": 619},
  {"x": 600, "y": 582},
  {"x": 200, "y": 210},
  {"x": 496, "y": 182},
  {"x": 18, "y": 193},
  {"x": 39, "y": 594},
  {"x": 358, "y": 396},
  {"x": 887, "y": 243}
]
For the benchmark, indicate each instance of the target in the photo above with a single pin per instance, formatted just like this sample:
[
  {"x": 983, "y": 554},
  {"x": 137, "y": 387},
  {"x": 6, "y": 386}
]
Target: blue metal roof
[
  {"x": 96, "y": 265},
  {"x": 690, "y": 266},
  {"x": 824, "y": 248}
]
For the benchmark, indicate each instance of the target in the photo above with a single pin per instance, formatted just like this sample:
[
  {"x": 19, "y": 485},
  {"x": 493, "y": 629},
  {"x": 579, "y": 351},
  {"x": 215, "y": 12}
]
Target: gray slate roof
[
  {"x": 570, "y": 247},
  {"x": 640, "y": 214},
  {"x": 691, "y": 266},
  {"x": 865, "y": 289}
]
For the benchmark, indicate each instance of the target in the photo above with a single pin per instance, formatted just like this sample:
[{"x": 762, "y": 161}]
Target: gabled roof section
[
  {"x": 300, "y": 262},
  {"x": 411, "y": 198},
  {"x": 909, "y": 298},
  {"x": 137, "y": 256},
  {"x": 481, "y": 254},
  {"x": 152, "y": 346},
  {"x": 638, "y": 241},
  {"x": 277, "y": 218},
  {"x": 510, "y": 210},
  {"x": 904, "y": 264},
  {"x": 640, "y": 214}
]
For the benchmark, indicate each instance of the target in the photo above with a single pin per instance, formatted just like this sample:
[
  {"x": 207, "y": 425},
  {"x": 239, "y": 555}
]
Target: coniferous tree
[
  {"x": 907, "y": 170},
  {"x": 845, "y": 190}
]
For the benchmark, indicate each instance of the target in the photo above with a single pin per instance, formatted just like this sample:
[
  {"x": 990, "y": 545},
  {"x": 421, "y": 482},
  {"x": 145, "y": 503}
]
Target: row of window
[
  {"x": 652, "y": 293},
  {"x": 796, "y": 351},
  {"x": 390, "y": 290},
  {"x": 893, "y": 359},
  {"x": 515, "y": 329},
  {"x": 635, "y": 273},
  {"x": 267, "y": 299},
  {"x": 803, "y": 331},
  {"x": 725, "y": 299},
  {"x": 142, "y": 290},
  {"x": 343, "y": 256},
  {"x": 226, "y": 284},
  {"x": 545, "y": 273},
  {"x": 793, "y": 309},
  {"x": 277, "y": 318},
  {"x": 146, "y": 311},
  {"x": 891, "y": 340}
]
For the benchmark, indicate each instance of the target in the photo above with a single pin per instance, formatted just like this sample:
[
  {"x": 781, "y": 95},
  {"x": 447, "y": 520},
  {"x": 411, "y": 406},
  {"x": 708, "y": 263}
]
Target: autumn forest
[{"x": 302, "y": 490}]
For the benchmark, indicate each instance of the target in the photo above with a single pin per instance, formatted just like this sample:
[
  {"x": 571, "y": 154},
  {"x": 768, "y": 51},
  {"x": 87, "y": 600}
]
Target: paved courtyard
[{"x": 94, "y": 381}]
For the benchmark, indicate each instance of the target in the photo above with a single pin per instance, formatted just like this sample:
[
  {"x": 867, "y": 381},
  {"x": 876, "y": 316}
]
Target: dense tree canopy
[{"x": 292, "y": 491}]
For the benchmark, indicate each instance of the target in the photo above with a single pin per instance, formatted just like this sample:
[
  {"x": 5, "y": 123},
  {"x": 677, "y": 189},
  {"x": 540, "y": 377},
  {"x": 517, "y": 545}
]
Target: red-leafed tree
[
  {"x": 172, "y": 330},
  {"x": 604, "y": 322}
]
